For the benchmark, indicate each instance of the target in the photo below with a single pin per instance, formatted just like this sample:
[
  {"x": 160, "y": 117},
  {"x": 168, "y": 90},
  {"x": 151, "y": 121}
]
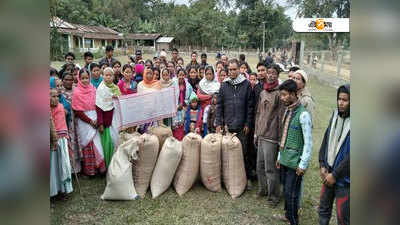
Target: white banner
[
  {"x": 137, "y": 109},
  {"x": 321, "y": 25}
]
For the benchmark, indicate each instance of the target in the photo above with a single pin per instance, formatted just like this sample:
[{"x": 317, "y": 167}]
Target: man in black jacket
[{"x": 235, "y": 107}]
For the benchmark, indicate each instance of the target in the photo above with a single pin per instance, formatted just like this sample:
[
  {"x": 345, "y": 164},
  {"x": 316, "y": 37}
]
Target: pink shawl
[
  {"x": 58, "y": 114},
  {"x": 84, "y": 97}
]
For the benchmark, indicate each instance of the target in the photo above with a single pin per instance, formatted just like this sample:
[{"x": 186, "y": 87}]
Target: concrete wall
[{"x": 160, "y": 46}]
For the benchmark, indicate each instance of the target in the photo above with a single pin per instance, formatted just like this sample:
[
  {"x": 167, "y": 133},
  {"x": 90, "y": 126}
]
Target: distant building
[
  {"x": 87, "y": 38},
  {"x": 147, "y": 40},
  {"x": 92, "y": 38},
  {"x": 164, "y": 43}
]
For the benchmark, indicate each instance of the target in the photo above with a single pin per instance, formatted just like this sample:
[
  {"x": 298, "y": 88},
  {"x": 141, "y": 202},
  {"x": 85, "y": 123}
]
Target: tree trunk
[{"x": 333, "y": 45}]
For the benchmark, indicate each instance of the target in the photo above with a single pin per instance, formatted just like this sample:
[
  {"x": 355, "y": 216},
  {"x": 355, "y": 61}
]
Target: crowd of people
[{"x": 273, "y": 120}]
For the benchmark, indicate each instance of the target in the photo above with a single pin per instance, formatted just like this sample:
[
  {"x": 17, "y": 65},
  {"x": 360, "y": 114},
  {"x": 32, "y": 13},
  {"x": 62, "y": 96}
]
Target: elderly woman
[
  {"x": 106, "y": 91},
  {"x": 303, "y": 93}
]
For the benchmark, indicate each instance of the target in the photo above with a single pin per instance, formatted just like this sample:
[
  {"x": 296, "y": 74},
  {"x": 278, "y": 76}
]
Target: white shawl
[
  {"x": 104, "y": 97},
  {"x": 209, "y": 87}
]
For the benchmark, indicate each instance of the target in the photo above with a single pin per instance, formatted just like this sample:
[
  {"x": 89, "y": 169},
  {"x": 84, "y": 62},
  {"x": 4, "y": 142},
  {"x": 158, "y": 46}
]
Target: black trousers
[
  {"x": 291, "y": 188},
  {"x": 328, "y": 195},
  {"x": 252, "y": 158}
]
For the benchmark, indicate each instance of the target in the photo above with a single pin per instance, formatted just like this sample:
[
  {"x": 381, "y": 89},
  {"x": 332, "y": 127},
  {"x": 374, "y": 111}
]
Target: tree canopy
[{"x": 208, "y": 23}]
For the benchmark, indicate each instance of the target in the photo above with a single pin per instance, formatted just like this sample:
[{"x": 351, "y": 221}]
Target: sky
[{"x": 290, "y": 11}]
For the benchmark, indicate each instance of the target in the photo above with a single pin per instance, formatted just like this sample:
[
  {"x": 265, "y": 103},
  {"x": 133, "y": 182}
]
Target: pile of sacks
[{"x": 158, "y": 160}]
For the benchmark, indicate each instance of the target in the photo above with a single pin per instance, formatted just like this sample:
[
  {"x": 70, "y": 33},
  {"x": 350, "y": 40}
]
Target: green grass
[{"x": 198, "y": 206}]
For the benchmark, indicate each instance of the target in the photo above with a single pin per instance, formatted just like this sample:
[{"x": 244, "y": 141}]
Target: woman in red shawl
[{"x": 84, "y": 106}]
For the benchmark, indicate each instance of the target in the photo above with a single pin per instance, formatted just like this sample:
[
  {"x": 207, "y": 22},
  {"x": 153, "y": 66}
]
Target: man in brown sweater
[{"x": 267, "y": 133}]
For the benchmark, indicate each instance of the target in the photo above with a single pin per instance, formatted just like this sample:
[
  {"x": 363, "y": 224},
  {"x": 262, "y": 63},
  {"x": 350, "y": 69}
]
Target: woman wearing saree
[
  {"x": 60, "y": 167},
  {"x": 84, "y": 106},
  {"x": 64, "y": 89},
  {"x": 105, "y": 93}
]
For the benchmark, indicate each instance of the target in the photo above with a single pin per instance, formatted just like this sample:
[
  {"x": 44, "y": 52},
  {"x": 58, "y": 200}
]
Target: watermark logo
[{"x": 321, "y": 25}]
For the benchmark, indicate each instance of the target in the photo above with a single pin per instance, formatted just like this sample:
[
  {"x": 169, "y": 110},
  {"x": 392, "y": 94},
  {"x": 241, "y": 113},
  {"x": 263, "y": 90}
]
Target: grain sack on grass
[
  {"x": 166, "y": 165},
  {"x": 120, "y": 184},
  {"x": 233, "y": 171},
  {"x": 143, "y": 167},
  {"x": 188, "y": 168},
  {"x": 210, "y": 162},
  {"x": 162, "y": 132}
]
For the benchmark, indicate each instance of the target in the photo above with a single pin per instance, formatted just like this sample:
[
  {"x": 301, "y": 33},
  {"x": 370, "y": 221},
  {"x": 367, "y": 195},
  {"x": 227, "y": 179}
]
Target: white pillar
[
  {"x": 301, "y": 54},
  {"x": 69, "y": 42},
  {"x": 83, "y": 42}
]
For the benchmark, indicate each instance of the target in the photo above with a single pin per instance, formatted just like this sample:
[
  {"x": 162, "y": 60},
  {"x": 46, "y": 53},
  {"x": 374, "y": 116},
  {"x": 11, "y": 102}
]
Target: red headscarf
[{"x": 84, "y": 97}]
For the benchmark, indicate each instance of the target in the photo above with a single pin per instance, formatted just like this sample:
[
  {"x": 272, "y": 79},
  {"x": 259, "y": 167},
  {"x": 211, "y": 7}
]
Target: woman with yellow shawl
[{"x": 105, "y": 93}]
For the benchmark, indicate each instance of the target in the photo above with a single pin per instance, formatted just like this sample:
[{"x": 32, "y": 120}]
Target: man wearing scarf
[
  {"x": 261, "y": 77},
  {"x": 295, "y": 149},
  {"x": 235, "y": 106},
  {"x": 267, "y": 134},
  {"x": 334, "y": 161}
]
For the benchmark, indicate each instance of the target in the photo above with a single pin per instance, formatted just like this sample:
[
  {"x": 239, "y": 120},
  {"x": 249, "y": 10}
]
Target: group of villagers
[{"x": 224, "y": 97}]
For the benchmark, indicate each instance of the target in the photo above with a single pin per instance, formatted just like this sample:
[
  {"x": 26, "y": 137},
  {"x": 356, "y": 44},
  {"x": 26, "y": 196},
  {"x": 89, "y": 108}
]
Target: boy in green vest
[{"x": 295, "y": 149}]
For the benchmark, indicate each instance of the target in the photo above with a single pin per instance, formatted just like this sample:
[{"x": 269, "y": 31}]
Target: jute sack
[
  {"x": 120, "y": 184},
  {"x": 125, "y": 136},
  {"x": 162, "y": 132},
  {"x": 233, "y": 171},
  {"x": 188, "y": 168},
  {"x": 210, "y": 162},
  {"x": 166, "y": 165},
  {"x": 143, "y": 167}
]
